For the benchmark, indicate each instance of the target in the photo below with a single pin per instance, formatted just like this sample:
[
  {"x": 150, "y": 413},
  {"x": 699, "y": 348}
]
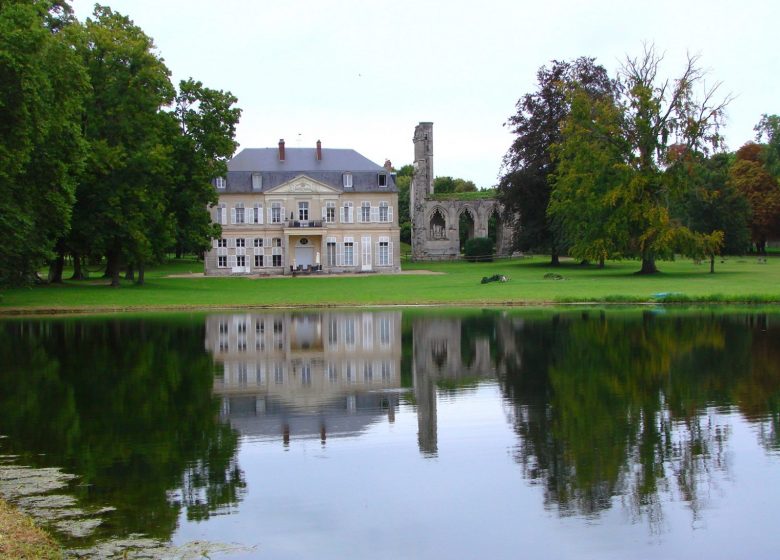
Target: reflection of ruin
[
  {"x": 306, "y": 374},
  {"x": 449, "y": 352}
]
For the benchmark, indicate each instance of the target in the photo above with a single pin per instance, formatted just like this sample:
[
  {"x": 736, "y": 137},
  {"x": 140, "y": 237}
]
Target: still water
[{"x": 397, "y": 434}]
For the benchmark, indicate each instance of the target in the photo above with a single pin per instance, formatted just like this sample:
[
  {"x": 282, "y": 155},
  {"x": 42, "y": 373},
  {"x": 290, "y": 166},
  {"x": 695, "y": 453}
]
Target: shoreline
[
  {"x": 177, "y": 308},
  {"x": 20, "y": 537}
]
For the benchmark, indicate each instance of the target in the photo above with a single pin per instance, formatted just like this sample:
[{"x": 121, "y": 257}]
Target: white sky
[{"x": 362, "y": 73}]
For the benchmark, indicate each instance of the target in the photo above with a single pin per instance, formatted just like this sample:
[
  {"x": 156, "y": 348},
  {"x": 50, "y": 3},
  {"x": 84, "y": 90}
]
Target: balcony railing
[{"x": 304, "y": 223}]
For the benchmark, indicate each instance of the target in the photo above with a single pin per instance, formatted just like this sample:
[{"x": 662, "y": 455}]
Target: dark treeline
[{"x": 102, "y": 159}]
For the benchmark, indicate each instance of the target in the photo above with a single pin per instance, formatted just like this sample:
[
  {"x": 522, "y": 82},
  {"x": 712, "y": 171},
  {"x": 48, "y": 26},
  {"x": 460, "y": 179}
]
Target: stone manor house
[{"x": 305, "y": 210}]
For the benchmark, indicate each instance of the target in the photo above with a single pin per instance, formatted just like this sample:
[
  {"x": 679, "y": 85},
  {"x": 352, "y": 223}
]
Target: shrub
[{"x": 478, "y": 249}]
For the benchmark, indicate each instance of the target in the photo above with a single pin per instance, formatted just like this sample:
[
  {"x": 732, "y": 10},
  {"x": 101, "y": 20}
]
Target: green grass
[
  {"x": 736, "y": 280},
  {"x": 472, "y": 195}
]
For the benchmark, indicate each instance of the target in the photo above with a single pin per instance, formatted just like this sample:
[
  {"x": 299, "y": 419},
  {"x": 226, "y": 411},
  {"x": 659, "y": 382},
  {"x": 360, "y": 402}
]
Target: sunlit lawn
[{"x": 736, "y": 279}]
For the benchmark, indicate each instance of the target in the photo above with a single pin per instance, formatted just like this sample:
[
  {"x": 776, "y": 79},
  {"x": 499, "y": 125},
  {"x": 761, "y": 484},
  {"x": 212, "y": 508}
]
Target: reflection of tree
[
  {"x": 127, "y": 405},
  {"x": 624, "y": 406}
]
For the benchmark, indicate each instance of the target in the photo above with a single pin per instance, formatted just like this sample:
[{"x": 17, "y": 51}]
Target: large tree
[
  {"x": 42, "y": 88},
  {"x": 524, "y": 187},
  {"x": 749, "y": 175},
  {"x": 121, "y": 211},
  {"x": 203, "y": 139},
  {"x": 659, "y": 129}
]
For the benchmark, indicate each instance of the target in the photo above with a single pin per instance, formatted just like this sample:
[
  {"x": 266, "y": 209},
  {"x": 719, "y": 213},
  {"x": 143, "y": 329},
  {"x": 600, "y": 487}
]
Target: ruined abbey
[{"x": 437, "y": 220}]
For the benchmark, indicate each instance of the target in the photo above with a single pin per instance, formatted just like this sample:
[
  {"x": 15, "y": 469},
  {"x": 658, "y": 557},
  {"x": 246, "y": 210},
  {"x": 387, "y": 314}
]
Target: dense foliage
[
  {"x": 93, "y": 162},
  {"x": 478, "y": 249}
]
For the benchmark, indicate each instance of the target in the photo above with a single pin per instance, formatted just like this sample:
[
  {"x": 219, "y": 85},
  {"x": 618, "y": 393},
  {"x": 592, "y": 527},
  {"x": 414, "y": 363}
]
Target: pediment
[{"x": 303, "y": 185}]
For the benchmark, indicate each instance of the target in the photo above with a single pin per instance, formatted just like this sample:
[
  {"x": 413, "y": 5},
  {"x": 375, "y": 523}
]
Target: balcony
[{"x": 303, "y": 224}]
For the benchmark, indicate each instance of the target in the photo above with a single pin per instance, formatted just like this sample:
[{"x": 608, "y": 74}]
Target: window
[
  {"x": 384, "y": 252},
  {"x": 382, "y": 178},
  {"x": 222, "y": 243},
  {"x": 349, "y": 253},
  {"x": 222, "y": 261},
  {"x": 276, "y": 212},
  {"x": 333, "y": 332},
  {"x": 384, "y": 331},
  {"x": 240, "y": 260},
  {"x": 330, "y": 212},
  {"x": 238, "y": 214},
  {"x": 303, "y": 211},
  {"x": 365, "y": 212},
  {"x": 368, "y": 372},
  {"x": 257, "y": 182},
  {"x": 257, "y": 214},
  {"x": 222, "y": 215},
  {"x": 346, "y": 213},
  {"x": 240, "y": 242},
  {"x": 258, "y": 261},
  {"x": 276, "y": 242},
  {"x": 277, "y": 260},
  {"x": 330, "y": 252},
  {"x": 384, "y": 211},
  {"x": 220, "y": 182},
  {"x": 347, "y": 180},
  {"x": 258, "y": 241}
]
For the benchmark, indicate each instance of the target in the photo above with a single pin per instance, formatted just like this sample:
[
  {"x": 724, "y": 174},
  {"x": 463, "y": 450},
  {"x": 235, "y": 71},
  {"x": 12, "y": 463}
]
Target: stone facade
[
  {"x": 304, "y": 210},
  {"x": 436, "y": 223}
]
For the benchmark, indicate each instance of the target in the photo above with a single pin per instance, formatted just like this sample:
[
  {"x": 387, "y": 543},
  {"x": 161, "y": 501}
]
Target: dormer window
[
  {"x": 220, "y": 183},
  {"x": 382, "y": 178},
  {"x": 257, "y": 181},
  {"x": 347, "y": 180}
]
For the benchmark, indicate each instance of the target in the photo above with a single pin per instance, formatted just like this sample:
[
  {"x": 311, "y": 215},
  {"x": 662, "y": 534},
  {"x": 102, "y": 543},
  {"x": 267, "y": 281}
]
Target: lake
[{"x": 414, "y": 433}]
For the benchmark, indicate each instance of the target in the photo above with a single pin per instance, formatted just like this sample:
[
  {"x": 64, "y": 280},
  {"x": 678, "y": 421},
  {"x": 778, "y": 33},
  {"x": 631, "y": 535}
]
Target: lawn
[{"x": 740, "y": 279}]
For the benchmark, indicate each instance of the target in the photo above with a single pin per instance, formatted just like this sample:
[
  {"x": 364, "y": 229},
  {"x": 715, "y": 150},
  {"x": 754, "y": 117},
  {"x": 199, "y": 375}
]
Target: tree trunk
[
  {"x": 55, "y": 268},
  {"x": 78, "y": 272},
  {"x": 712, "y": 264},
  {"x": 129, "y": 273},
  {"x": 112, "y": 268},
  {"x": 179, "y": 251},
  {"x": 140, "y": 281},
  {"x": 601, "y": 262},
  {"x": 648, "y": 266},
  {"x": 555, "y": 260}
]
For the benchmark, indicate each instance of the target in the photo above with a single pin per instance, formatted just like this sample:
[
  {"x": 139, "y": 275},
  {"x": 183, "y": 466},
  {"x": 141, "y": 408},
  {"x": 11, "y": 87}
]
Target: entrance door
[
  {"x": 304, "y": 256},
  {"x": 366, "y": 242}
]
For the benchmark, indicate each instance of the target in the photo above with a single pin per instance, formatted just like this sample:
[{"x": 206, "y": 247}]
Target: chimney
[
  {"x": 319, "y": 150},
  {"x": 281, "y": 149}
]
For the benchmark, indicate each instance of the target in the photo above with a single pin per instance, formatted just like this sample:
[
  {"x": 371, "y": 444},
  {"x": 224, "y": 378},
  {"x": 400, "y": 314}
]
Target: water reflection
[
  {"x": 289, "y": 375},
  {"x": 126, "y": 405},
  {"x": 628, "y": 411}
]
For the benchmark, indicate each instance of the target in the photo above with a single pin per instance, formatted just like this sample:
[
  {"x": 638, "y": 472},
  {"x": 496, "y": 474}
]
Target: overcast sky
[{"x": 362, "y": 73}]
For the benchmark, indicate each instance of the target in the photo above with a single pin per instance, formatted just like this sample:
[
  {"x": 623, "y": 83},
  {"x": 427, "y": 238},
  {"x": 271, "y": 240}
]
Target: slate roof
[{"x": 302, "y": 161}]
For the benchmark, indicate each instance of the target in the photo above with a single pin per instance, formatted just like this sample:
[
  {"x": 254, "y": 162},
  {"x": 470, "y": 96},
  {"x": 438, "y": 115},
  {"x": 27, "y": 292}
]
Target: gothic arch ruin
[{"x": 436, "y": 223}]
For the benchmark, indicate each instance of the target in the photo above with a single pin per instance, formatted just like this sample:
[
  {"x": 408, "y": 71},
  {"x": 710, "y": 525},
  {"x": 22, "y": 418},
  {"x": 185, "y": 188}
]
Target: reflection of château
[{"x": 285, "y": 373}]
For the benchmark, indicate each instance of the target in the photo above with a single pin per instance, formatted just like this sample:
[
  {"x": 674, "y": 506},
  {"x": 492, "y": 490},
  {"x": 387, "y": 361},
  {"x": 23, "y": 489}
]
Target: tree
[
  {"x": 660, "y": 129},
  {"x": 403, "y": 182},
  {"x": 42, "y": 88},
  {"x": 750, "y": 177},
  {"x": 446, "y": 184},
  {"x": 715, "y": 204},
  {"x": 524, "y": 188},
  {"x": 769, "y": 128},
  {"x": 203, "y": 140},
  {"x": 121, "y": 211}
]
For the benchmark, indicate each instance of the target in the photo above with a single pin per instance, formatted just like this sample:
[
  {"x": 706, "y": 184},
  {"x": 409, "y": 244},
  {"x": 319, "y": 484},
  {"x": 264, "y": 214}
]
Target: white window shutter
[
  {"x": 270, "y": 216},
  {"x": 376, "y": 254},
  {"x": 340, "y": 254},
  {"x": 231, "y": 261},
  {"x": 232, "y": 215},
  {"x": 324, "y": 211},
  {"x": 390, "y": 214},
  {"x": 224, "y": 216},
  {"x": 214, "y": 243},
  {"x": 374, "y": 214},
  {"x": 260, "y": 214},
  {"x": 231, "y": 243},
  {"x": 390, "y": 253},
  {"x": 284, "y": 214}
]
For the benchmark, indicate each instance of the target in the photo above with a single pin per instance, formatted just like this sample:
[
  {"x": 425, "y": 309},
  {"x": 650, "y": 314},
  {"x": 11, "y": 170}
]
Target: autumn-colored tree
[{"x": 750, "y": 176}]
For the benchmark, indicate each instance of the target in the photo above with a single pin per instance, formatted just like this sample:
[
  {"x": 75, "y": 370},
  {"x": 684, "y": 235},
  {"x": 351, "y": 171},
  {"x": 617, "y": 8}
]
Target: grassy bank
[
  {"x": 21, "y": 539},
  {"x": 736, "y": 280}
]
